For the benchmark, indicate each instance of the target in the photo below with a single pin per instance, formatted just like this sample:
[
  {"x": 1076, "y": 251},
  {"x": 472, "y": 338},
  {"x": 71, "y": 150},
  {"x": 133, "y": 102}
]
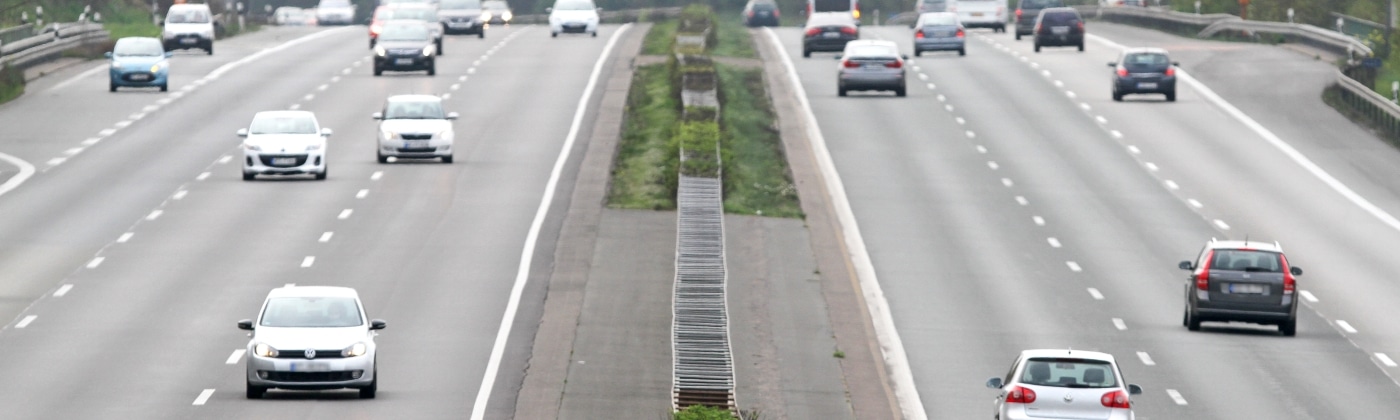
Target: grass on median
[
  {"x": 756, "y": 175},
  {"x": 733, "y": 37},
  {"x": 644, "y": 173},
  {"x": 660, "y": 38}
]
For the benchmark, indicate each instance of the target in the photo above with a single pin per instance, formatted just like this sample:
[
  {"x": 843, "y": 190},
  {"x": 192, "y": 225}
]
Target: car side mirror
[
  {"x": 1185, "y": 265},
  {"x": 377, "y": 115},
  {"x": 169, "y": 54},
  {"x": 452, "y": 115},
  {"x": 1296, "y": 271},
  {"x": 377, "y": 324},
  {"x": 242, "y": 132},
  {"x": 108, "y": 55},
  {"x": 1133, "y": 389},
  {"x": 326, "y": 132},
  {"x": 994, "y": 383},
  {"x": 1112, "y": 64},
  {"x": 246, "y": 324}
]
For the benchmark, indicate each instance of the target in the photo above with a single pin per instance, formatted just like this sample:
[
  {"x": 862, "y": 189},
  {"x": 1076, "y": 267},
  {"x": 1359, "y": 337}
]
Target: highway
[
  {"x": 135, "y": 246},
  {"x": 1008, "y": 203}
]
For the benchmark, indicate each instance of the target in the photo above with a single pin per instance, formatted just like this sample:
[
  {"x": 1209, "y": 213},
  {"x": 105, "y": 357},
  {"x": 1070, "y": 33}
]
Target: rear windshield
[
  {"x": 1070, "y": 373},
  {"x": 871, "y": 51},
  {"x": 940, "y": 19},
  {"x": 1246, "y": 260},
  {"x": 1040, "y": 4},
  {"x": 764, "y": 6},
  {"x": 1060, "y": 18},
  {"x": 933, "y": 6},
  {"x": 311, "y": 312},
  {"x": 426, "y": 15},
  {"x": 283, "y": 125},
  {"x": 1146, "y": 61},
  {"x": 459, "y": 4}
]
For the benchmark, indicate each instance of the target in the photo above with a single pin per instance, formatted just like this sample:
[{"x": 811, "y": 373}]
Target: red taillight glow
[
  {"x": 1171, "y": 71},
  {"x": 1020, "y": 395},
  {"x": 1289, "y": 283},
  {"x": 375, "y": 29},
  {"x": 776, "y": 14},
  {"x": 1080, "y": 25},
  {"x": 919, "y": 34},
  {"x": 814, "y": 31},
  {"x": 1203, "y": 273},
  {"x": 849, "y": 64},
  {"x": 1122, "y": 72},
  {"x": 750, "y": 13},
  {"x": 960, "y": 33},
  {"x": 848, "y": 30},
  {"x": 1018, "y": 15},
  {"x": 894, "y": 64},
  {"x": 1116, "y": 399}
]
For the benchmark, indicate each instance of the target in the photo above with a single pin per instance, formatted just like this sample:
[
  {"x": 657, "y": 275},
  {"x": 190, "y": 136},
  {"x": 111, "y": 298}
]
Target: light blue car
[{"x": 139, "y": 62}]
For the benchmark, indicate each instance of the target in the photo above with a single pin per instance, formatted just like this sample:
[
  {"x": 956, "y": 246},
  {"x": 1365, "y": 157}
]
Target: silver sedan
[
  {"x": 1063, "y": 384},
  {"x": 311, "y": 338}
]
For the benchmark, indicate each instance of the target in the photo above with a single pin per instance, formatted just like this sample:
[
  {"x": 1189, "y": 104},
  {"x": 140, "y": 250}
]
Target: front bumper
[
  {"x": 430, "y": 148},
  {"x": 404, "y": 62},
  {"x": 138, "y": 78},
  {"x": 573, "y": 27},
  {"x": 267, "y": 163},
  {"x": 311, "y": 374}
]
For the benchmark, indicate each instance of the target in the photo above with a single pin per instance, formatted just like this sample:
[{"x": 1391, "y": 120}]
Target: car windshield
[
  {"x": 871, "y": 51},
  {"x": 933, "y": 6},
  {"x": 495, "y": 5},
  {"x": 1247, "y": 260},
  {"x": 573, "y": 5},
  {"x": 459, "y": 4},
  {"x": 1069, "y": 373},
  {"x": 311, "y": 312},
  {"x": 187, "y": 16},
  {"x": 940, "y": 19},
  {"x": 425, "y": 15},
  {"x": 413, "y": 110},
  {"x": 405, "y": 33},
  {"x": 138, "y": 47},
  {"x": 282, "y": 125},
  {"x": 1146, "y": 61}
]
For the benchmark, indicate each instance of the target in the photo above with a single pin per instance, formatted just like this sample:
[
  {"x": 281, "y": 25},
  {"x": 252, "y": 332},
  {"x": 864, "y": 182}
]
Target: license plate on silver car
[
  {"x": 187, "y": 40},
  {"x": 284, "y": 161},
  {"x": 1245, "y": 289},
  {"x": 310, "y": 367}
]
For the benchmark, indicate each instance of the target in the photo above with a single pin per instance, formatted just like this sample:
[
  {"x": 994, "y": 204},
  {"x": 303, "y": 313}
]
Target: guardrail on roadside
[
  {"x": 1206, "y": 26},
  {"x": 1383, "y": 114},
  {"x": 49, "y": 43}
]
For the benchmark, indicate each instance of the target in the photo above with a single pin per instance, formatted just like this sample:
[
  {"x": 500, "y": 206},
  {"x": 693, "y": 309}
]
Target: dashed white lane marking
[
  {"x": 1171, "y": 184},
  {"x": 981, "y": 149},
  {"x": 225, "y": 158},
  {"x": 1101, "y": 119},
  {"x": 122, "y": 124},
  {"x": 1084, "y": 106},
  {"x": 106, "y": 132},
  {"x": 471, "y": 70},
  {"x": 1054, "y": 243},
  {"x": 1134, "y": 150},
  {"x": 345, "y": 214},
  {"x": 362, "y": 194},
  {"x": 1007, "y": 182},
  {"x": 307, "y": 262},
  {"x": 462, "y": 79},
  {"x": 1146, "y": 359},
  {"x": 26, "y": 321},
  {"x": 56, "y": 161},
  {"x": 180, "y": 195},
  {"x": 1095, "y": 294},
  {"x": 235, "y": 357},
  {"x": 62, "y": 290},
  {"x": 125, "y": 237},
  {"x": 322, "y": 87},
  {"x": 931, "y": 87},
  {"x": 202, "y": 176},
  {"x": 345, "y": 71},
  {"x": 1039, "y": 221},
  {"x": 154, "y": 214},
  {"x": 1059, "y": 84},
  {"x": 1045, "y": 73},
  {"x": 1385, "y": 360},
  {"x": 294, "y": 107},
  {"x": 73, "y": 151},
  {"x": 96, "y": 262},
  {"x": 1194, "y": 203},
  {"x": 960, "y": 120},
  {"x": 1073, "y": 266},
  {"x": 1022, "y": 200},
  {"x": 1070, "y": 94},
  {"x": 1176, "y": 397},
  {"x": 376, "y": 175},
  {"x": 326, "y": 237},
  {"x": 1150, "y": 166},
  {"x": 948, "y": 107},
  {"x": 335, "y": 79},
  {"x": 1221, "y": 224},
  {"x": 1345, "y": 326},
  {"x": 447, "y": 96},
  {"x": 923, "y": 76},
  {"x": 137, "y": 116},
  {"x": 164, "y": 101},
  {"x": 203, "y": 396},
  {"x": 476, "y": 63},
  {"x": 91, "y": 141},
  {"x": 1119, "y": 324},
  {"x": 455, "y": 86},
  {"x": 1116, "y": 134},
  {"x": 971, "y": 134},
  {"x": 1308, "y": 296},
  {"x": 308, "y": 97}
]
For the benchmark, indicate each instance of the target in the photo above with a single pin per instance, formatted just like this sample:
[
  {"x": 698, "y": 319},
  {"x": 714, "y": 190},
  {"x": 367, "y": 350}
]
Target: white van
[
  {"x": 981, "y": 13},
  {"x": 188, "y": 26}
]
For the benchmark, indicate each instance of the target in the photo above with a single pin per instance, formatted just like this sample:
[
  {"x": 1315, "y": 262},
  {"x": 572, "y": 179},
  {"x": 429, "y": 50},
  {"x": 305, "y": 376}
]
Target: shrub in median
[{"x": 699, "y": 145}]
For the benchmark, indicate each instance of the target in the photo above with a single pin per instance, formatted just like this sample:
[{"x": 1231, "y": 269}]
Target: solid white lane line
[
  {"x": 1039, "y": 221},
  {"x": 326, "y": 237},
  {"x": 1119, "y": 324},
  {"x": 26, "y": 321},
  {"x": 1054, "y": 243},
  {"x": 225, "y": 158},
  {"x": 1007, "y": 182},
  {"x": 202, "y": 176},
  {"x": 1194, "y": 203},
  {"x": 125, "y": 237},
  {"x": 1146, "y": 360},
  {"x": 1221, "y": 224},
  {"x": 1176, "y": 397},
  {"x": 180, "y": 195},
  {"x": 527, "y": 252},
  {"x": 1095, "y": 294},
  {"x": 154, "y": 214},
  {"x": 345, "y": 214},
  {"x": 234, "y": 358},
  {"x": 96, "y": 262},
  {"x": 1345, "y": 326},
  {"x": 376, "y": 175},
  {"x": 307, "y": 262},
  {"x": 1022, "y": 200},
  {"x": 62, "y": 290},
  {"x": 203, "y": 397},
  {"x": 25, "y": 171},
  {"x": 362, "y": 194},
  {"x": 1385, "y": 360},
  {"x": 1073, "y": 266},
  {"x": 1308, "y": 296}
]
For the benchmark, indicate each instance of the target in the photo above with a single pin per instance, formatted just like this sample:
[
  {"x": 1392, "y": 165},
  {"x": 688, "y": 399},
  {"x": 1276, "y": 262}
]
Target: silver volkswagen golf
[
  {"x": 414, "y": 126},
  {"x": 311, "y": 338},
  {"x": 1063, "y": 384}
]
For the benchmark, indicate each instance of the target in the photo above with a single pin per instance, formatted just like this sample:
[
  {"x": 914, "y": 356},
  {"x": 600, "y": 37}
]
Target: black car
[
  {"x": 1058, "y": 27},
  {"x": 405, "y": 46},
  {"x": 1144, "y": 70},
  {"x": 1026, "y": 12},
  {"x": 761, "y": 13},
  {"x": 828, "y": 31},
  {"x": 1247, "y": 281}
]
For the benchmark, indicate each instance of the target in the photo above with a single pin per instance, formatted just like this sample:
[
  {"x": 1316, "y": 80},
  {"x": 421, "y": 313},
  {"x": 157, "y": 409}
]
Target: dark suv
[
  {"x": 1026, "y": 12},
  {"x": 1242, "y": 281},
  {"x": 1058, "y": 27}
]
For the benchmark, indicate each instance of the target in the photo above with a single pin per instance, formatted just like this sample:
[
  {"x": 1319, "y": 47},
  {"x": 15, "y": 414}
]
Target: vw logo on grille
[
  {"x": 1068, "y": 397},
  {"x": 311, "y": 354}
]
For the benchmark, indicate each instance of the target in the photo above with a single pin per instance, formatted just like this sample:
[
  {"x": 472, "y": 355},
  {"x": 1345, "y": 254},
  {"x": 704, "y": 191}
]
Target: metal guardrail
[
  {"x": 1379, "y": 110},
  {"x": 1206, "y": 26},
  {"x": 703, "y": 364},
  {"x": 50, "y": 42}
]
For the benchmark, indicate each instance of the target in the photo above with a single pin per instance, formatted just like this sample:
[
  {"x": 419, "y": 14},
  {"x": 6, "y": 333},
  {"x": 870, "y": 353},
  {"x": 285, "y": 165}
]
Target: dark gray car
[
  {"x": 1244, "y": 281},
  {"x": 462, "y": 17},
  {"x": 405, "y": 45},
  {"x": 1144, "y": 70},
  {"x": 828, "y": 31},
  {"x": 1058, "y": 27},
  {"x": 1027, "y": 11}
]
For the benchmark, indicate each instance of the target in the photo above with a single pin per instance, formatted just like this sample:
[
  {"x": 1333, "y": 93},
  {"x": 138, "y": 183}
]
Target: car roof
[
  {"x": 1259, "y": 245},
  {"x": 880, "y": 42},
  {"x": 313, "y": 291},
  {"x": 1142, "y": 50},
  {"x": 285, "y": 113},
  {"x": 189, "y": 6},
  {"x": 1077, "y": 354},
  {"x": 415, "y": 98}
]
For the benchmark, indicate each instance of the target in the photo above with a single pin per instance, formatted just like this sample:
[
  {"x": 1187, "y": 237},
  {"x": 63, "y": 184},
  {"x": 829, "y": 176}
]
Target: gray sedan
[
  {"x": 939, "y": 32},
  {"x": 312, "y": 338},
  {"x": 871, "y": 65}
]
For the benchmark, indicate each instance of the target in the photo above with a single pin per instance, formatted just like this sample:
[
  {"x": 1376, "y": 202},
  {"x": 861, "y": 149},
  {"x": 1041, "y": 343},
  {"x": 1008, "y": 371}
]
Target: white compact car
[
  {"x": 1063, "y": 384},
  {"x": 335, "y": 12},
  {"x": 414, "y": 126},
  {"x": 573, "y": 16},
  {"x": 284, "y": 143},
  {"x": 188, "y": 26},
  {"x": 312, "y": 338}
]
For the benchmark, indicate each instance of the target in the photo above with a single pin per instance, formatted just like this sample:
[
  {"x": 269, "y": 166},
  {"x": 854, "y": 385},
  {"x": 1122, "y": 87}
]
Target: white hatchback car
[
  {"x": 573, "y": 16},
  {"x": 311, "y": 338},
  {"x": 188, "y": 26},
  {"x": 414, "y": 126},
  {"x": 284, "y": 143},
  {"x": 1063, "y": 384}
]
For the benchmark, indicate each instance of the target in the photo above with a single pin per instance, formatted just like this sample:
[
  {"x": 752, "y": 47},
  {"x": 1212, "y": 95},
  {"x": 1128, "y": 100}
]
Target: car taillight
[
  {"x": 1116, "y": 399},
  {"x": 1171, "y": 71},
  {"x": 919, "y": 34},
  {"x": 960, "y": 33},
  {"x": 375, "y": 29},
  {"x": 894, "y": 64},
  {"x": 814, "y": 31},
  {"x": 1037, "y": 28},
  {"x": 1021, "y": 395},
  {"x": 848, "y": 30},
  {"x": 750, "y": 13},
  {"x": 1122, "y": 72},
  {"x": 1203, "y": 273},
  {"x": 776, "y": 14},
  {"x": 849, "y": 64},
  {"x": 1080, "y": 25},
  {"x": 1018, "y": 15},
  {"x": 1289, "y": 283}
]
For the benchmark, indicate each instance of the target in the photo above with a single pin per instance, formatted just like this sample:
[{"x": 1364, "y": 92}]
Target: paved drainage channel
[{"x": 704, "y": 367}]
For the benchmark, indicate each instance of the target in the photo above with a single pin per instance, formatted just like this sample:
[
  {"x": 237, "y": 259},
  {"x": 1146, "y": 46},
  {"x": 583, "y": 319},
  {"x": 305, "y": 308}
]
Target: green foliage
[
  {"x": 11, "y": 83},
  {"x": 699, "y": 144},
  {"x": 732, "y": 39},
  {"x": 756, "y": 175},
  {"x": 703, "y": 412},
  {"x": 660, "y": 38},
  {"x": 644, "y": 172},
  {"x": 839, "y": 354}
]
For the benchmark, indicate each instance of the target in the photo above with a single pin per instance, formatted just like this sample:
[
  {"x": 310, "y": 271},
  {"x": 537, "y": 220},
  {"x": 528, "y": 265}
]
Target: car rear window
[
  {"x": 1069, "y": 373},
  {"x": 940, "y": 19},
  {"x": 1146, "y": 61},
  {"x": 1246, "y": 260},
  {"x": 1040, "y": 4},
  {"x": 1060, "y": 18},
  {"x": 871, "y": 51},
  {"x": 311, "y": 312}
]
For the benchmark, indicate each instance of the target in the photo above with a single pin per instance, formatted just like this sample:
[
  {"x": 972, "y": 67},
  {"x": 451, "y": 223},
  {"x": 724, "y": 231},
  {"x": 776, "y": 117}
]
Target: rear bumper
[
  {"x": 826, "y": 44},
  {"x": 1059, "y": 40},
  {"x": 1256, "y": 313},
  {"x": 857, "y": 81},
  {"x": 1129, "y": 85},
  {"x": 939, "y": 44}
]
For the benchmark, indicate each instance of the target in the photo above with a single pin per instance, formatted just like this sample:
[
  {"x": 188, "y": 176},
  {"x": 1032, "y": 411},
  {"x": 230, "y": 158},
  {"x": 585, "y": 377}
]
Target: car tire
[
  {"x": 962, "y": 52},
  {"x": 1037, "y": 47},
  {"x": 378, "y": 71},
  {"x": 164, "y": 87},
  {"x": 1018, "y": 36},
  {"x": 901, "y": 92},
  {"x": 321, "y": 176},
  {"x": 481, "y": 35},
  {"x": 255, "y": 392},
  {"x": 447, "y": 159},
  {"x": 438, "y": 47},
  {"x": 918, "y": 53},
  {"x": 1081, "y": 46},
  {"x": 111, "y": 86},
  {"x": 553, "y": 34},
  {"x": 1193, "y": 322},
  {"x": 1289, "y": 328},
  {"x": 432, "y": 70},
  {"x": 367, "y": 393},
  {"x": 806, "y": 53},
  {"x": 1117, "y": 97},
  {"x": 248, "y": 176},
  {"x": 382, "y": 158},
  {"x": 371, "y": 44},
  {"x": 840, "y": 91},
  {"x": 1171, "y": 96}
]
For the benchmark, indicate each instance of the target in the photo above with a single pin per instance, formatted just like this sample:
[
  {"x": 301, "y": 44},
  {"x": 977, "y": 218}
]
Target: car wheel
[
  {"x": 321, "y": 176},
  {"x": 1037, "y": 47},
  {"x": 1289, "y": 328},
  {"x": 806, "y": 53},
  {"x": 1018, "y": 36},
  {"x": 255, "y": 392},
  {"x": 553, "y": 34},
  {"x": 1117, "y": 97},
  {"x": 438, "y": 47},
  {"x": 111, "y": 86},
  {"x": 378, "y": 71},
  {"x": 900, "y": 92},
  {"x": 962, "y": 52},
  {"x": 248, "y": 176},
  {"x": 164, "y": 87},
  {"x": 371, "y": 44},
  {"x": 1081, "y": 46},
  {"x": 369, "y": 391},
  {"x": 432, "y": 70},
  {"x": 918, "y": 53},
  {"x": 382, "y": 158},
  {"x": 840, "y": 91},
  {"x": 595, "y": 34},
  {"x": 447, "y": 159},
  {"x": 481, "y": 35},
  {"x": 1171, "y": 96},
  {"x": 1193, "y": 322}
]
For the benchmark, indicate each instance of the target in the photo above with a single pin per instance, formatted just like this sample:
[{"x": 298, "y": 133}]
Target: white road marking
[
  {"x": 1039, "y": 221},
  {"x": 1194, "y": 203},
  {"x": 137, "y": 116},
  {"x": 1146, "y": 360},
  {"x": 362, "y": 194},
  {"x": 56, "y": 161},
  {"x": 1345, "y": 326},
  {"x": 981, "y": 149},
  {"x": 85, "y": 74},
  {"x": 345, "y": 214},
  {"x": 1385, "y": 360},
  {"x": 1101, "y": 119},
  {"x": 1054, "y": 243},
  {"x": 225, "y": 158},
  {"x": 1150, "y": 166},
  {"x": 1308, "y": 296},
  {"x": 948, "y": 107},
  {"x": 125, "y": 237},
  {"x": 1176, "y": 397},
  {"x": 931, "y": 86},
  {"x": 1070, "y": 94},
  {"x": 203, "y": 397},
  {"x": 1095, "y": 294},
  {"x": 307, "y": 262},
  {"x": 308, "y": 97},
  {"x": 1045, "y": 73},
  {"x": 294, "y": 107},
  {"x": 1022, "y": 200},
  {"x": 62, "y": 290},
  {"x": 941, "y": 98},
  {"x": 960, "y": 120},
  {"x": 73, "y": 151},
  {"x": 202, "y": 176},
  {"x": 335, "y": 79},
  {"x": 923, "y": 76},
  {"x": 235, "y": 357},
  {"x": 971, "y": 134},
  {"x": 180, "y": 195},
  {"x": 1073, "y": 266},
  {"x": 1221, "y": 224},
  {"x": 476, "y": 63},
  {"x": 462, "y": 79},
  {"x": 1007, "y": 182},
  {"x": 455, "y": 86},
  {"x": 1116, "y": 134},
  {"x": 91, "y": 141},
  {"x": 154, "y": 214},
  {"x": 326, "y": 237},
  {"x": 1171, "y": 185},
  {"x": 917, "y": 68},
  {"x": 188, "y": 88},
  {"x": 322, "y": 87},
  {"x": 1084, "y": 106},
  {"x": 1059, "y": 84},
  {"x": 177, "y": 95},
  {"x": 106, "y": 132},
  {"x": 164, "y": 101},
  {"x": 471, "y": 70},
  {"x": 96, "y": 262},
  {"x": 346, "y": 71},
  {"x": 447, "y": 96},
  {"x": 376, "y": 175},
  {"x": 26, "y": 321},
  {"x": 1119, "y": 324}
]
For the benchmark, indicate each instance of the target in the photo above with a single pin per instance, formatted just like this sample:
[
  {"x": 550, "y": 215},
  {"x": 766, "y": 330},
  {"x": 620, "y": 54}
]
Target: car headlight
[
  {"x": 485, "y": 16},
  {"x": 116, "y": 65},
  {"x": 252, "y": 147},
  {"x": 428, "y": 51},
  {"x": 358, "y": 349},
  {"x": 388, "y": 135},
  {"x": 379, "y": 51},
  {"x": 506, "y": 16},
  {"x": 263, "y": 350}
]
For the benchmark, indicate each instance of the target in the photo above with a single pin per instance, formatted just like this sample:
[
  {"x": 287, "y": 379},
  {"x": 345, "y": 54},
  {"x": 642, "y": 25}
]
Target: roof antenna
[{"x": 1246, "y": 239}]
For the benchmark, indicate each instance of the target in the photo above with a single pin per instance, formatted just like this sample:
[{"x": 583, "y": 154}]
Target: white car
[
  {"x": 284, "y": 143},
  {"x": 311, "y": 338},
  {"x": 188, "y": 26},
  {"x": 335, "y": 12},
  {"x": 414, "y": 126},
  {"x": 1063, "y": 384},
  {"x": 573, "y": 16},
  {"x": 982, "y": 14}
]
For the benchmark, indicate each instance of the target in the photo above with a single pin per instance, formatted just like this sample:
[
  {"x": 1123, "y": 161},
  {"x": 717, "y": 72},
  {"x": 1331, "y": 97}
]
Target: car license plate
[
  {"x": 403, "y": 62},
  {"x": 976, "y": 14},
  {"x": 459, "y": 24},
  {"x": 1147, "y": 85},
  {"x": 831, "y": 34},
  {"x": 310, "y": 367},
  {"x": 1249, "y": 289},
  {"x": 187, "y": 40},
  {"x": 140, "y": 77},
  {"x": 420, "y": 144},
  {"x": 284, "y": 161},
  {"x": 1059, "y": 30}
]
